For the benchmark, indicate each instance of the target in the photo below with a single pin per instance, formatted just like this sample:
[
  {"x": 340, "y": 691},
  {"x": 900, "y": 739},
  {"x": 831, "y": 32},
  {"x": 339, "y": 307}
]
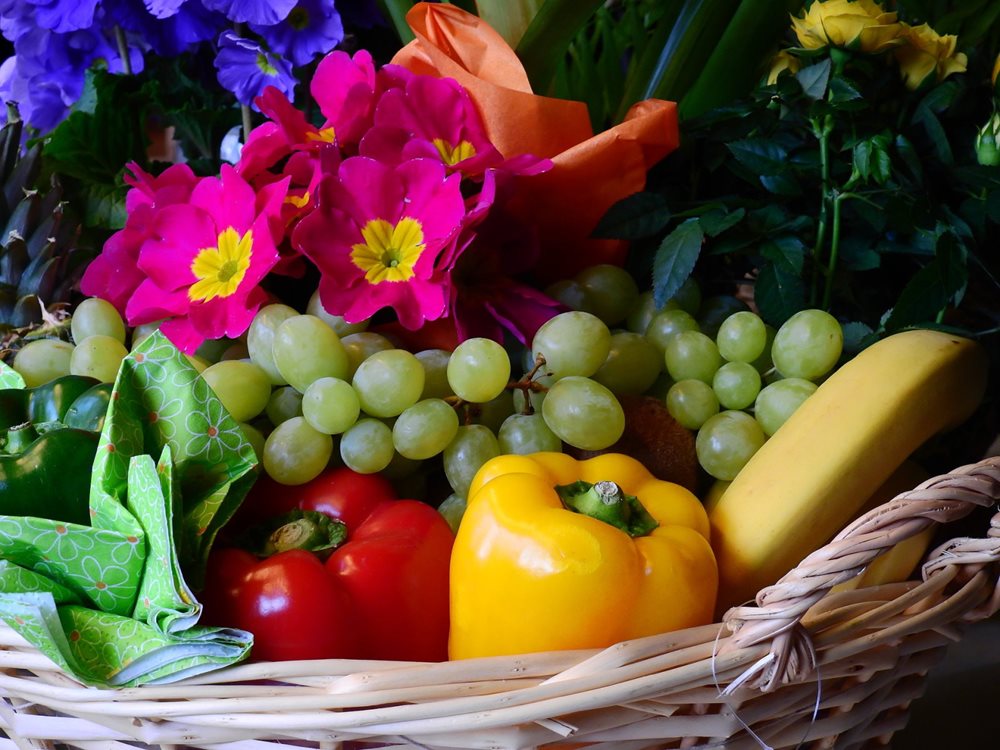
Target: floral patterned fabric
[{"x": 110, "y": 602}]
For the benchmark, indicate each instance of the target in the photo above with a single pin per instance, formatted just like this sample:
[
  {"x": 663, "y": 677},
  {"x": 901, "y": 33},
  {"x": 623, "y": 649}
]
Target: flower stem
[
  {"x": 247, "y": 124},
  {"x": 123, "y": 52},
  {"x": 822, "y": 133},
  {"x": 831, "y": 263}
]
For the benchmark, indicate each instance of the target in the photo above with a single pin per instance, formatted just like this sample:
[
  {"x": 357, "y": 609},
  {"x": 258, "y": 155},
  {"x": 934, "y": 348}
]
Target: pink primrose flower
[
  {"x": 205, "y": 260},
  {"x": 377, "y": 236},
  {"x": 347, "y": 89},
  {"x": 434, "y": 118},
  {"x": 114, "y": 274}
]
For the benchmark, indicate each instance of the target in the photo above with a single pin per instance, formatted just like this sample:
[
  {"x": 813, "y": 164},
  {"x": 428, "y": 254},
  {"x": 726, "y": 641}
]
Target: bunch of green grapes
[{"x": 723, "y": 372}]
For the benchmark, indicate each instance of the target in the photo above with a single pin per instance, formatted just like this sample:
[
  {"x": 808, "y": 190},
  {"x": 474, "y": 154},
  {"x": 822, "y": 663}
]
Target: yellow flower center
[
  {"x": 389, "y": 251},
  {"x": 221, "y": 269},
  {"x": 326, "y": 135},
  {"x": 452, "y": 155}
]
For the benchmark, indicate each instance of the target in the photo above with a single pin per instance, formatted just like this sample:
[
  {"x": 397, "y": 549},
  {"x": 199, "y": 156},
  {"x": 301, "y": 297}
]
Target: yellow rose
[
  {"x": 781, "y": 63},
  {"x": 861, "y": 24},
  {"x": 927, "y": 53}
]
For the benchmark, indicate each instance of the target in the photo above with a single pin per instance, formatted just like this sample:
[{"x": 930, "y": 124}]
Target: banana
[{"x": 814, "y": 475}]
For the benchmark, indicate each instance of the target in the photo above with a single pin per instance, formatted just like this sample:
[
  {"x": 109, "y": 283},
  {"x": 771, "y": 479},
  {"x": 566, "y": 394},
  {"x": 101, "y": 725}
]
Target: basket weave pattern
[{"x": 804, "y": 667}]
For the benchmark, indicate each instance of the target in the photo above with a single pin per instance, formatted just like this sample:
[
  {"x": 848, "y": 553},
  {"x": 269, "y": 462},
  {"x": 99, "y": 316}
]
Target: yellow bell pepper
[{"x": 554, "y": 553}]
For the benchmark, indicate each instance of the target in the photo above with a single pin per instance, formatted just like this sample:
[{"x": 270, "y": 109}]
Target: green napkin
[{"x": 110, "y": 602}]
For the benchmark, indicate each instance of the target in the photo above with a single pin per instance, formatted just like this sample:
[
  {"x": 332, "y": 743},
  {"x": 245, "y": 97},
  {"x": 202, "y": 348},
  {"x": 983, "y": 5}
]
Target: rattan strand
[{"x": 831, "y": 670}]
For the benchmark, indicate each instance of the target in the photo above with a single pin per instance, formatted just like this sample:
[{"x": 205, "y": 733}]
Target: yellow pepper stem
[{"x": 607, "y": 502}]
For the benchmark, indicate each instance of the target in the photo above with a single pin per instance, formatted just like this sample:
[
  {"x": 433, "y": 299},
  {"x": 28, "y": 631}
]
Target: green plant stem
[
  {"x": 123, "y": 50},
  {"x": 831, "y": 264},
  {"x": 822, "y": 133},
  {"x": 247, "y": 123}
]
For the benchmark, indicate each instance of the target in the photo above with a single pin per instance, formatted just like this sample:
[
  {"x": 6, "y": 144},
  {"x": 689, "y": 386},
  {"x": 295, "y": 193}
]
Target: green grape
[
  {"x": 453, "y": 508},
  {"x": 691, "y": 354},
  {"x": 688, "y": 297},
  {"x": 583, "y": 413},
  {"x": 306, "y": 349},
  {"x": 98, "y": 357},
  {"x": 256, "y": 439},
  {"x": 478, "y": 370},
  {"x": 692, "y": 403},
  {"x": 666, "y": 324},
  {"x": 779, "y": 400},
  {"x": 763, "y": 363},
  {"x": 424, "y": 429},
  {"x": 285, "y": 402},
  {"x": 573, "y": 343},
  {"x": 95, "y": 316},
  {"x": 493, "y": 413},
  {"x": 742, "y": 337},
  {"x": 141, "y": 332},
  {"x": 330, "y": 405},
  {"x": 212, "y": 350},
  {"x": 435, "y": 362},
  {"x": 472, "y": 446},
  {"x": 534, "y": 397},
  {"x": 340, "y": 326},
  {"x": 42, "y": 360},
  {"x": 242, "y": 387},
  {"x": 360, "y": 346},
  {"x": 642, "y": 311},
  {"x": 611, "y": 290},
  {"x": 388, "y": 382},
  {"x": 295, "y": 453},
  {"x": 807, "y": 345},
  {"x": 200, "y": 364},
  {"x": 736, "y": 384},
  {"x": 260, "y": 338},
  {"x": 714, "y": 310},
  {"x": 632, "y": 366},
  {"x": 367, "y": 447},
  {"x": 571, "y": 294},
  {"x": 527, "y": 433},
  {"x": 726, "y": 442}
]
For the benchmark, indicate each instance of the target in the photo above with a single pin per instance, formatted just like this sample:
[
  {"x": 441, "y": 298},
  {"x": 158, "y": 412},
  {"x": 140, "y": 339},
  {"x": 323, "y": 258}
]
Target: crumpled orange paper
[{"x": 590, "y": 172}]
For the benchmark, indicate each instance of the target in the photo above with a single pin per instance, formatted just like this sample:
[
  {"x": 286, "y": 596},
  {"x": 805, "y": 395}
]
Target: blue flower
[
  {"x": 63, "y": 16},
  {"x": 264, "y": 12},
  {"x": 246, "y": 68},
  {"x": 170, "y": 27},
  {"x": 311, "y": 28}
]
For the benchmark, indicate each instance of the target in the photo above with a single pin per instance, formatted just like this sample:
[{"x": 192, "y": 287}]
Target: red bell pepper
[{"x": 381, "y": 594}]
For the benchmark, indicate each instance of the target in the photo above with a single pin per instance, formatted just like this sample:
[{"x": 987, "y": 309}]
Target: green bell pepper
[{"x": 48, "y": 439}]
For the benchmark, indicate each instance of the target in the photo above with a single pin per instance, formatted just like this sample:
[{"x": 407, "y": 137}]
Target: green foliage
[{"x": 836, "y": 187}]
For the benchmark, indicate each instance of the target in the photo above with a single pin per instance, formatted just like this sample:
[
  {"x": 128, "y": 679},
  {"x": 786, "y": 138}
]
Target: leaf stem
[{"x": 247, "y": 123}]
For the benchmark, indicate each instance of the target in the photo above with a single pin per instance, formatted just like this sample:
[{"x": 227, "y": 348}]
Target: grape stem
[{"x": 526, "y": 383}]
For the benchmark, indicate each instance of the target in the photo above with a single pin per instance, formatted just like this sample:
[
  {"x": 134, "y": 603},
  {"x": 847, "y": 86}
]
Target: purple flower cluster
[{"x": 57, "y": 41}]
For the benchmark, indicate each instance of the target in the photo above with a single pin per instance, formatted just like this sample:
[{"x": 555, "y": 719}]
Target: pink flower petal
[
  {"x": 228, "y": 199},
  {"x": 150, "y": 303},
  {"x": 179, "y": 233},
  {"x": 182, "y": 334}
]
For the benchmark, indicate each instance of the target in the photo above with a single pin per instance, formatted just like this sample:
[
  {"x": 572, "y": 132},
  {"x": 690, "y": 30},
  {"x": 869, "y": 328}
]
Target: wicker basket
[{"x": 804, "y": 668}]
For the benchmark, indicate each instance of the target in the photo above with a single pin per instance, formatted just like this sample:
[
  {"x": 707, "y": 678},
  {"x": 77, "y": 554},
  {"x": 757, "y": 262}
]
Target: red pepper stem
[
  {"x": 308, "y": 530},
  {"x": 607, "y": 502},
  {"x": 19, "y": 438}
]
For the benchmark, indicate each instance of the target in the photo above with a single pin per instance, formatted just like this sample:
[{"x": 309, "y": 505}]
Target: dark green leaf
[
  {"x": 910, "y": 157},
  {"x": 787, "y": 253},
  {"x": 857, "y": 336},
  {"x": 841, "y": 90},
  {"x": 781, "y": 184},
  {"x": 815, "y": 78},
  {"x": 548, "y": 35},
  {"x": 856, "y": 254},
  {"x": 778, "y": 294},
  {"x": 634, "y": 217},
  {"x": 936, "y": 132},
  {"x": 395, "y": 11},
  {"x": 922, "y": 298},
  {"x": 675, "y": 259},
  {"x": 104, "y": 206},
  {"x": 761, "y": 155},
  {"x": 718, "y": 220}
]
